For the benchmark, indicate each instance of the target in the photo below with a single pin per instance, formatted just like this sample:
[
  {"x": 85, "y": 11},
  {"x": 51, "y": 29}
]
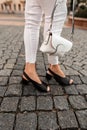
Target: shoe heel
[
  {"x": 24, "y": 82},
  {"x": 48, "y": 76}
]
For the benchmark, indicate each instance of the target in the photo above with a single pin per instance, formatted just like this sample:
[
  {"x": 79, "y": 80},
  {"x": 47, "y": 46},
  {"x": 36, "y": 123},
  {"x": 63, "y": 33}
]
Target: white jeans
[{"x": 33, "y": 16}]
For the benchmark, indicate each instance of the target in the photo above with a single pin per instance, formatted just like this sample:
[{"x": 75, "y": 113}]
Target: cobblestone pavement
[{"x": 25, "y": 108}]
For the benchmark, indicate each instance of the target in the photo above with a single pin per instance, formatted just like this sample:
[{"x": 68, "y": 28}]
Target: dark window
[
  {"x": 2, "y": 6},
  {"x": 14, "y": 7},
  {"x": 19, "y": 7}
]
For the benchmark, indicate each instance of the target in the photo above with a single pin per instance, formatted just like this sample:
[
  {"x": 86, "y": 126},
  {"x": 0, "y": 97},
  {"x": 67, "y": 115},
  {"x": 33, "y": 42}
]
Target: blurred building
[
  {"x": 12, "y": 6},
  {"x": 70, "y": 4},
  {"x": 17, "y": 6}
]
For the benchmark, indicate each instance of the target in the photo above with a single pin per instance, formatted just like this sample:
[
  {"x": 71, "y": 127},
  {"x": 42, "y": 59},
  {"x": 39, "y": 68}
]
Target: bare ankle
[
  {"x": 54, "y": 66},
  {"x": 30, "y": 67}
]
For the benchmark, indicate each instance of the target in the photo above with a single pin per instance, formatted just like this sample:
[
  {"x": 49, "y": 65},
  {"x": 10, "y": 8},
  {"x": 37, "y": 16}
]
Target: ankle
[
  {"x": 30, "y": 67},
  {"x": 54, "y": 67}
]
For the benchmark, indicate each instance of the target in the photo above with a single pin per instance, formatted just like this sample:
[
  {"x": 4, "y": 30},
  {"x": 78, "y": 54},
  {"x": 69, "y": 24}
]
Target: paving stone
[
  {"x": 18, "y": 67},
  {"x": 39, "y": 58},
  {"x": 9, "y": 104},
  {"x": 41, "y": 72},
  {"x": 38, "y": 93},
  {"x": 5, "y": 72},
  {"x": 3, "y": 81},
  {"x": 82, "y": 118},
  {"x": 76, "y": 79},
  {"x": 14, "y": 90},
  {"x": 53, "y": 82},
  {"x": 61, "y": 102},
  {"x": 0, "y": 100},
  {"x": 44, "y": 103},
  {"x": 6, "y": 57},
  {"x": 83, "y": 72},
  {"x": 76, "y": 67},
  {"x": 78, "y": 102},
  {"x": 11, "y": 61},
  {"x": 26, "y": 121},
  {"x": 71, "y": 72},
  {"x": 56, "y": 90},
  {"x": 6, "y": 121},
  {"x": 82, "y": 89},
  {"x": 84, "y": 79},
  {"x": 43, "y": 78},
  {"x": 22, "y": 52},
  {"x": 71, "y": 90},
  {"x": 84, "y": 62},
  {"x": 86, "y": 97},
  {"x": 85, "y": 67},
  {"x": 1, "y": 66},
  {"x": 28, "y": 103},
  {"x": 14, "y": 55},
  {"x": 67, "y": 120},
  {"x": 29, "y": 90},
  {"x": 17, "y": 73},
  {"x": 21, "y": 60},
  {"x": 2, "y": 61},
  {"x": 2, "y": 91},
  {"x": 20, "y": 64},
  {"x": 68, "y": 62},
  {"x": 47, "y": 121},
  {"x": 15, "y": 80},
  {"x": 9, "y": 66}
]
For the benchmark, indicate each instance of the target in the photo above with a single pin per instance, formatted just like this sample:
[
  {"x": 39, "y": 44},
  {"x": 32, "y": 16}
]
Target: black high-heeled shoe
[
  {"x": 41, "y": 87},
  {"x": 61, "y": 80},
  {"x": 24, "y": 81}
]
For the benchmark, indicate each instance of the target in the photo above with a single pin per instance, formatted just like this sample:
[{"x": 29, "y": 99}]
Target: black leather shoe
[
  {"x": 41, "y": 87},
  {"x": 48, "y": 76},
  {"x": 61, "y": 80},
  {"x": 24, "y": 81}
]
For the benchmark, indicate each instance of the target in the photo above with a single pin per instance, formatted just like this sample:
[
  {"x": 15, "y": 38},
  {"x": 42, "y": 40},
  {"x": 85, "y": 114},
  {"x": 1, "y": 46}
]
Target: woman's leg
[
  {"x": 33, "y": 15},
  {"x": 57, "y": 26},
  {"x": 47, "y": 7},
  {"x": 58, "y": 22}
]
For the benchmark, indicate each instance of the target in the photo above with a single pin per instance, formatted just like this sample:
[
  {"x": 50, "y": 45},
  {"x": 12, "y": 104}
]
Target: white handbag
[{"x": 54, "y": 44}]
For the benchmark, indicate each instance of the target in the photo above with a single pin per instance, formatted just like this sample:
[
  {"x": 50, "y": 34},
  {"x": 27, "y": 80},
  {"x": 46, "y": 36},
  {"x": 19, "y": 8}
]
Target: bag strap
[
  {"x": 73, "y": 10},
  {"x": 53, "y": 14},
  {"x": 73, "y": 27}
]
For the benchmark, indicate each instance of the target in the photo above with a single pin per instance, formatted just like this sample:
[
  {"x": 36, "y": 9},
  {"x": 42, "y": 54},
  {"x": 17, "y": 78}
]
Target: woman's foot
[
  {"x": 57, "y": 70},
  {"x": 30, "y": 70}
]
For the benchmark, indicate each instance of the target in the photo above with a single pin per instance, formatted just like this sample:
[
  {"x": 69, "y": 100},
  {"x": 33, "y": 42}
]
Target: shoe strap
[
  {"x": 42, "y": 86},
  {"x": 53, "y": 72},
  {"x": 26, "y": 76},
  {"x": 64, "y": 80},
  {"x": 56, "y": 75}
]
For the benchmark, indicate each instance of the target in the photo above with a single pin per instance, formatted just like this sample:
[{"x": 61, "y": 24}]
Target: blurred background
[
  {"x": 12, "y": 6},
  {"x": 17, "y": 8}
]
